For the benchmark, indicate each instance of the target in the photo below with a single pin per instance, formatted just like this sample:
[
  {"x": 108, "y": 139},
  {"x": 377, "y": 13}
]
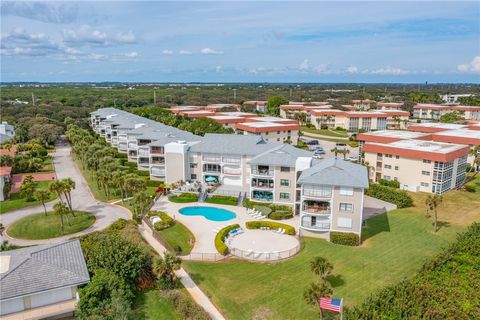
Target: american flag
[{"x": 331, "y": 304}]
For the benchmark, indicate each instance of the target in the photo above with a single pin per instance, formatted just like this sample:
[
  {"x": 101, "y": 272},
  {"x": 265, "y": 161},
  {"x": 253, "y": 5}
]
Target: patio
[{"x": 204, "y": 236}]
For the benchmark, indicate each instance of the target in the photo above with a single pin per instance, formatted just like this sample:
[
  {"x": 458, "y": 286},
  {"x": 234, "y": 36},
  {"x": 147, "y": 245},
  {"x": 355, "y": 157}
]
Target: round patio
[{"x": 263, "y": 245}]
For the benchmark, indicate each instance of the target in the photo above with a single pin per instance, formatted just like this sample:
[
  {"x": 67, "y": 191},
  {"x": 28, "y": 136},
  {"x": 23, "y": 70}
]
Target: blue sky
[{"x": 226, "y": 41}]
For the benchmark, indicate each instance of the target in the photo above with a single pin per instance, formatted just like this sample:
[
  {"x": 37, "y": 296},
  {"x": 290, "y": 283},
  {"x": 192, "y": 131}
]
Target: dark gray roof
[
  {"x": 283, "y": 155},
  {"x": 233, "y": 144},
  {"x": 336, "y": 172},
  {"x": 40, "y": 268}
]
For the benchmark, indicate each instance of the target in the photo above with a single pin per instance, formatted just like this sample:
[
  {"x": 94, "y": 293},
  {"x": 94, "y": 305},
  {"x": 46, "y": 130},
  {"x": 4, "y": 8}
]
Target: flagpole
[{"x": 341, "y": 309}]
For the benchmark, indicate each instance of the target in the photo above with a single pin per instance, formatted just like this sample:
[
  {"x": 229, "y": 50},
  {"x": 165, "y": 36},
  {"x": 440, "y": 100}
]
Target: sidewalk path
[
  {"x": 197, "y": 294},
  {"x": 82, "y": 199}
]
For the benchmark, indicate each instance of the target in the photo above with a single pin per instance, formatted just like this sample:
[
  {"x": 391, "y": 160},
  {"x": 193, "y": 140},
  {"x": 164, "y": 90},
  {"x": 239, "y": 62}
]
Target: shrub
[
  {"x": 220, "y": 238},
  {"x": 132, "y": 165},
  {"x": 272, "y": 225},
  {"x": 343, "y": 238},
  {"x": 118, "y": 225},
  {"x": 469, "y": 188},
  {"x": 264, "y": 210},
  {"x": 280, "y": 212},
  {"x": 185, "y": 306},
  {"x": 389, "y": 183},
  {"x": 399, "y": 197},
  {"x": 446, "y": 287},
  {"x": 121, "y": 156},
  {"x": 184, "y": 198},
  {"x": 166, "y": 222},
  {"x": 153, "y": 183},
  {"x": 231, "y": 201},
  {"x": 142, "y": 173}
]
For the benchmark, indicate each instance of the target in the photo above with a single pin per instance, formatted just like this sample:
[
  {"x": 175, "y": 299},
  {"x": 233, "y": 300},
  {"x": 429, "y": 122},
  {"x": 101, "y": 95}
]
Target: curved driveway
[{"x": 82, "y": 199}]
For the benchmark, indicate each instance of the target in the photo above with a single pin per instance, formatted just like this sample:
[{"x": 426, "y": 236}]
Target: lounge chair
[
  {"x": 283, "y": 231},
  {"x": 279, "y": 230}
]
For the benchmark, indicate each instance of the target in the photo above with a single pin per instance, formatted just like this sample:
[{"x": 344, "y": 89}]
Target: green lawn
[
  {"x": 48, "y": 165},
  {"x": 397, "y": 243},
  {"x": 230, "y": 201},
  {"x": 326, "y": 132},
  {"x": 179, "y": 238},
  {"x": 40, "y": 226},
  {"x": 149, "y": 305},
  {"x": 17, "y": 202},
  {"x": 352, "y": 144}
]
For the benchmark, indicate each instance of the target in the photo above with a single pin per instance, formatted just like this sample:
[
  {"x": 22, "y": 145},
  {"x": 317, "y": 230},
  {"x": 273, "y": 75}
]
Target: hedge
[
  {"x": 231, "y": 201},
  {"x": 121, "y": 156},
  {"x": 389, "y": 183},
  {"x": 153, "y": 183},
  {"x": 280, "y": 212},
  {"x": 166, "y": 222},
  {"x": 446, "y": 287},
  {"x": 142, "y": 173},
  {"x": 264, "y": 210},
  {"x": 272, "y": 225},
  {"x": 343, "y": 238},
  {"x": 220, "y": 238},
  {"x": 399, "y": 197},
  {"x": 132, "y": 165},
  {"x": 184, "y": 198}
]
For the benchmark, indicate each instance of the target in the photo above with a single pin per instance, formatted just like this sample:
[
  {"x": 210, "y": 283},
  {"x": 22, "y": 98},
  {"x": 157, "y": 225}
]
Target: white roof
[
  {"x": 199, "y": 112},
  {"x": 237, "y": 114},
  {"x": 224, "y": 117},
  {"x": 450, "y": 126},
  {"x": 463, "y": 133},
  {"x": 426, "y": 146},
  {"x": 396, "y": 134},
  {"x": 270, "y": 119},
  {"x": 263, "y": 124}
]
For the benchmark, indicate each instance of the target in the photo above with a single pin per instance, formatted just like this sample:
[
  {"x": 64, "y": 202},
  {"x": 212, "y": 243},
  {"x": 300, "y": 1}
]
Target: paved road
[
  {"x": 82, "y": 199},
  {"x": 328, "y": 145}
]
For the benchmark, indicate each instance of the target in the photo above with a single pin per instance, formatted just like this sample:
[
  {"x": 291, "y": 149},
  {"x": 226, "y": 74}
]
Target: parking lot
[{"x": 328, "y": 146}]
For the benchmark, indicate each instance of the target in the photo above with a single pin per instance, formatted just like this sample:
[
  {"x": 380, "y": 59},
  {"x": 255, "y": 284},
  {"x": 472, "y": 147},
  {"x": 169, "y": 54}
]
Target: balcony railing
[
  {"x": 233, "y": 172},
  {"x": 157, "y": 172},
  {"x": 212, "y": 159},
  {"x": 262, "y": 185},
  {"x": 157, "y": 162},
  {"x": 324, "y": 226},
  {"x": 143, "y": 153},
  {"x": 231, "y": 160},
  {"x": 266, "y": 173},
  {"x": 316, "y": 210},
  {"x": 317, "y": 193},
  {"x": 132, "y": 146},
  {"x": 211, "y": 170}
]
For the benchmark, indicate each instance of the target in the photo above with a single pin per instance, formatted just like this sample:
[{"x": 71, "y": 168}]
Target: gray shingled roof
[
  {"x": 40, "y": 268},
  {"x": 233, "y": 144},
  {"x": 283, "y": 155},
  {"x": 336, "y": 172}
]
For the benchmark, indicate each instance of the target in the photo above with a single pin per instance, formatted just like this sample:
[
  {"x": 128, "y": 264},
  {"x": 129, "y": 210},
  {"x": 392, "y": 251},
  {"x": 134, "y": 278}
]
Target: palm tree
[
  {"x": 335, "y": 151},
  {"x": 57, "y": 187},
  {"x": 27, "y": 188},
  {"x": 321, "y": 267},
  {"x": 344, "y": 152},
  {"x": 60, "y": 209},
  {"x": 328, "y": 119},
  {"x": 165, "y": 268},
  {"x": 315, "y": 291},
  {"x": 134, "y": 184},
  {"x": 68, "y": 186},
  {"x": 140, "y": 201},
  {"x": 117, "y": 178},
  {"x": 369, "y": 167},
  {"x": 42, "y": 196},
  {"x": 2, "y": 229},
  {"x": 432, "y": 202}
]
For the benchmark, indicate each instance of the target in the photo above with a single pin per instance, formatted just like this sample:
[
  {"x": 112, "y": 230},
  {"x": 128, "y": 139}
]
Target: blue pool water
[{"x": 210, "y": 213}]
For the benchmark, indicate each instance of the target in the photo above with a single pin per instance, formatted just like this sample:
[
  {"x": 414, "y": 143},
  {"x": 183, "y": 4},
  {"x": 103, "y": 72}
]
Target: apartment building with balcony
[
  {"x": 260, "y": 105},
  {"x": 271, "y": 129},
  {"x": 332, "y": 196},
  {"x": 363, "y": 104},
  {"x": 351, "y": 121},
  {"x": 418, "y": 165},
  {"x": 396, "y": 106},
  {"x": 435, "y": 111},
  {"x": 267, "y": 171}
]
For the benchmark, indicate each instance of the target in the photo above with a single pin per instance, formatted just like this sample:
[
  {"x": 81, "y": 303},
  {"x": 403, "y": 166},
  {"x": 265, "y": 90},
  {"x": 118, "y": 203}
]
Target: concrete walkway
[
  {"x": 197, "y": 294},
  {"x": 82, "y": 199}
]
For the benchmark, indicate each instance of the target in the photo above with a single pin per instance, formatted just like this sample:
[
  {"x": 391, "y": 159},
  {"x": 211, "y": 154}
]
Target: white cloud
[
  {"x": 20, "y": 42},
  {"x": 210, "y": 51},
  {"x": 167, "y": 52},
  {"x": 473, "y": 66},
  {"x": 352, "y": 69},
  {"x": 185, "y": 52},
  {"x": 96, "y": 56},
  {"x": 218, "y": 69},
  {"x": 389, "y": 71},
  {"x": 131, "y": 55},
  {"x": 322, "y": 69},
  {"x": 85, "y": 35},
  {"x": 304, "y": 65},
  {"x": 41, "y": 11}
]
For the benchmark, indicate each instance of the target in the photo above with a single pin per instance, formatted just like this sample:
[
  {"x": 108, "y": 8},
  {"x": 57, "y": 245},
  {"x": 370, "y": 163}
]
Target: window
[
  {"x": 278, "y": 139},
  {"x": 395, "y": 179},
  {"x": 193, "y": 165},
  {"x": 426, "y": 173},
  {"x": 346, "y": 191},
  {"x": 193, "y": 176},
  {"x": 387, "y": 166},
  {"x": 424, "y": 184},
  {"x": 387, "y": 177},
  {"x": 396, "y": 168},
  {"x": 284, "y": 195},
  {"x": 397, "y": 157},
  {"x": 278, "y": 132},
  {"x": 345, "y": 206},
  {"x": 344, "y": 223},
  {"x": 284, "y": 182},
  {"x": 427, "y": 161},
  {"x": 284, "y": 169}
]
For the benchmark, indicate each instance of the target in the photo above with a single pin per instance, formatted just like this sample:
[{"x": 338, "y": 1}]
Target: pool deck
[{"x": 202, "y": 227}]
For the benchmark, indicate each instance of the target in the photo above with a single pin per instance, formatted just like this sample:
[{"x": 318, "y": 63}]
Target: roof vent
[{"x": 182, "y": 142}]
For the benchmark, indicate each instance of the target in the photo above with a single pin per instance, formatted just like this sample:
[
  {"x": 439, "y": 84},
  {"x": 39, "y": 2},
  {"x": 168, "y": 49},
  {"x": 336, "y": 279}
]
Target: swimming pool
[{"x": 210, "y": 213}]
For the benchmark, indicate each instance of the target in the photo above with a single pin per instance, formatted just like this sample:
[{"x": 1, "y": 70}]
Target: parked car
[
  {"x": 319, "y": 150},
  {"x": 312, "y": 142},
  {"x": 352, "y": 159},
  {"x": 340, "y": 144}
]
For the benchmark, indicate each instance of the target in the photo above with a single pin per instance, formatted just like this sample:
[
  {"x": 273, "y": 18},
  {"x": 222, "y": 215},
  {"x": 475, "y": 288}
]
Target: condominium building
[
  {"x": 390, "y": 106},
  {"x": 363, "y": 104},
  {"x": 270, "y": 131},
  {"x": 417, "y": 164},
  {"x": 262, "y": 170},
  {"x": 352, "y": 121},
  {"x": 435, "y": 111},
  {"x": 332, "y": 196},
  {"x": 260, "y": 106},
  {"x": 7, "y": 131}
]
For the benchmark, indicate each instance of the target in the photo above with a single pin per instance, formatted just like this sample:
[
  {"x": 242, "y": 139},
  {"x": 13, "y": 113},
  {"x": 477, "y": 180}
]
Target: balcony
[
  {"x": 312, "y": 223},
  {"x": 213, "y": 159},
  {"x": 262, "y": 183},
  {"x": 132, "y": 145},
  {"x": 157, "y": 162},
  {"x": 232, "y": 171},
  {"x": 316, "y": 207},
  {"x": 232, "y": 160},
  {"x": 132, "y": 154},
  {"x": 157, "y": 172},
  {"x": 264, "y": 196},
  {"x": 212, "y": 168},
  {"x": 156, "y": 150},
  {"x": 318, "y": 192},
  {"x": 262, "y": 171},
  {"x": 143, "y": 153}
]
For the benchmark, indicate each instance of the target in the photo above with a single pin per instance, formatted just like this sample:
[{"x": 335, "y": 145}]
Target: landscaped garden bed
[
  {"x": 231, "y": 201},
  {"x": 184, "y": 198}
]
